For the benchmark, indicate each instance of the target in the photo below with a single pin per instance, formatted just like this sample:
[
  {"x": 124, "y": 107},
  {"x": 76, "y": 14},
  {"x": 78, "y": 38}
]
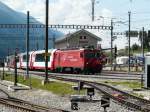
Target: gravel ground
[
  {"x": 6, "y": 109},
  {"x": 49, "y": 99}
]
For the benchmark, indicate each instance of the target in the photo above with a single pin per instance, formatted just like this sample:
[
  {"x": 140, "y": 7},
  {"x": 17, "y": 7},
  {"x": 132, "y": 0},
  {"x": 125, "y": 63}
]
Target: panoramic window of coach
[{"x": 41, "y": 58}]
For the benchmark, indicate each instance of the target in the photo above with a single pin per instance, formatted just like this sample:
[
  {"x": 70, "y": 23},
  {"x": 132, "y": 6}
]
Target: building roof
[{"x": 77, "y": 32}]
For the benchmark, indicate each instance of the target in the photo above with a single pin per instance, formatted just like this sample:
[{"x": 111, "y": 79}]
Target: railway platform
[{"x": 11, "y": 87}]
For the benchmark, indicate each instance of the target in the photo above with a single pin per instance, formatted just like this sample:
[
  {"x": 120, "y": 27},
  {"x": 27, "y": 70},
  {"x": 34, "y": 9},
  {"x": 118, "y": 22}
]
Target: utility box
[{"x": 147, "y": 71}]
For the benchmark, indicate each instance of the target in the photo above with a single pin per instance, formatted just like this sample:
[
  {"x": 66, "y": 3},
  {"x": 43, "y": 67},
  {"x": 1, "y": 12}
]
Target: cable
[{"x": 142, "y": 20}]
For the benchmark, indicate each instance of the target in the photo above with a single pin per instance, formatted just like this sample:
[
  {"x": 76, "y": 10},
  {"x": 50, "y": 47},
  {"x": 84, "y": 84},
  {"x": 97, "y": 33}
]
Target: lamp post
[
  {"x": 129, "y": 13},
  {"x": 27, "y": 46},
  {"x": 46, "y": 42}
]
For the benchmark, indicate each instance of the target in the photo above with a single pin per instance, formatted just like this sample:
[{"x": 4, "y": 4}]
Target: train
[{"x": 81, "y": 60}]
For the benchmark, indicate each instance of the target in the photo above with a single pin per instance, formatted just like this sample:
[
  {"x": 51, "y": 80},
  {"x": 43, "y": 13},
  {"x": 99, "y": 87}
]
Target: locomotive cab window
[
  {"x": 90, "y": 55},
  {"x": 97, "y": 55}
]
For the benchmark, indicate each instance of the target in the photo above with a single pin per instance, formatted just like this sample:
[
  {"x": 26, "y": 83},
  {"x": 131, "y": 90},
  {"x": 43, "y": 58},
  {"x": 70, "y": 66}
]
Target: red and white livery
[{"x": 67, "y": 60}]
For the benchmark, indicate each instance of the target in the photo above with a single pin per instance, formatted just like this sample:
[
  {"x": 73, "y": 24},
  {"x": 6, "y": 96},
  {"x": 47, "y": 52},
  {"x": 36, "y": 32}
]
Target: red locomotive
[
  {"x": 68, "y": 60},
  {"x": 78, "y": 60}
]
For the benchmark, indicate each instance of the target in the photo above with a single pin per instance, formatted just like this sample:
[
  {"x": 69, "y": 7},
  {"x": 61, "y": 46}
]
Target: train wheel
[
  {"x": 93, "y": 72},
  {"x": 71, "y": 70},
  {"x": 100, "y": 70},
  {"x": 86, "y": 71},
  {"x": 63, "y": 70},
  {"x": 58, "y": 70},
  {"x": 77, "y": 70}
]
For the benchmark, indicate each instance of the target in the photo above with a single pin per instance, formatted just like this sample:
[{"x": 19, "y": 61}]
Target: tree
[
  {"x": 146, "y": 39},
  {"x": 135, "y": 47}
]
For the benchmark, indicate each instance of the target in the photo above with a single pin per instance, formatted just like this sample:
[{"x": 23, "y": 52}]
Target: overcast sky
[{"x": 79, "y": 12}]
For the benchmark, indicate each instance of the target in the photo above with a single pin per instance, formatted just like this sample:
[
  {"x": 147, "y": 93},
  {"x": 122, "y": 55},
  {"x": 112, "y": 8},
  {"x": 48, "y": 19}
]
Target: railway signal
[
  {"x": 90, "y": 92},
  {"x": 115, "y": 52},
  {"x": 74, "y": 105},
  {"x": 80, "y": 86},
  {"x": 115, "y": 56}
]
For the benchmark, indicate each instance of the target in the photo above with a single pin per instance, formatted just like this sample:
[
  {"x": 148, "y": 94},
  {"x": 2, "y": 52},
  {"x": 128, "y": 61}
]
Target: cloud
[
  {"x": 60, "y": 11},
  {"x": 15, "y": 4},
  {"x": 36, "y": 7},
  {"x": 66, "y": 12}
]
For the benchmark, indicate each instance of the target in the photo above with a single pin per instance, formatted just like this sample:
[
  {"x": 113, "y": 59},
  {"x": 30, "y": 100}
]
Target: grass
[
  {"x": 59, "y": 88},
  {"x": 130, "y": 84},
  {"x": 138, "y": 95}
]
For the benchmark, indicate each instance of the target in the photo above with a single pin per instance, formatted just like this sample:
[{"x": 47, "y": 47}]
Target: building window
[
  {"x": 80, "y": 37},
  {"x": 84, "y": 37}
]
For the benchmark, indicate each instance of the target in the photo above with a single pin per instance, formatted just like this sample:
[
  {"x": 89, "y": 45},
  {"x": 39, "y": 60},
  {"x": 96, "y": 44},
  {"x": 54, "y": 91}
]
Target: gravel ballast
[{"x": 48, "y": 99}]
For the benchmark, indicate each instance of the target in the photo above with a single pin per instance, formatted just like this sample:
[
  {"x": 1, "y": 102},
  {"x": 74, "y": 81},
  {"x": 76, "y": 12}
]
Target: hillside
[{"x": 12, "y": 38}]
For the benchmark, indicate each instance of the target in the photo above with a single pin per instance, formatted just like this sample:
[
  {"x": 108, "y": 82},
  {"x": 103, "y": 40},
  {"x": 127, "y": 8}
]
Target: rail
[
  {"x": 121, "y": 97},
  {"x": 25, "y": 106}
]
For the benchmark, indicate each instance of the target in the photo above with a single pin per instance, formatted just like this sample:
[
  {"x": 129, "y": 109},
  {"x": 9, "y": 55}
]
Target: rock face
[{"x": 15, "y": 38}]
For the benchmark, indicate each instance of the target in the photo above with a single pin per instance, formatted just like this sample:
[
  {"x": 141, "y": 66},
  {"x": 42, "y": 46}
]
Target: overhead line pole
[
  {"x": 15, "y": 76},
  {"x": 143, "y": 42},
  {"x": 142, "y": 45},
  {"x": 129, "y": 13},
  {"x": 93, "y": 7},
  {"x": 111, "y": 43},
  {"x": 27, "y": 47},
  {"x": 46, "y": 42}
]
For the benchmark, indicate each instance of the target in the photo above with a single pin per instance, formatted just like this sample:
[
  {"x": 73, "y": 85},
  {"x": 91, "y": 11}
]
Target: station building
[{"x": 81, "y": 38}]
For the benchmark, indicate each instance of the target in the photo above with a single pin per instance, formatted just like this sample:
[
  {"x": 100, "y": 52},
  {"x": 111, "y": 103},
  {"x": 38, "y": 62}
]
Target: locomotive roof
[
  {"x": 77, "y": 32},
  {"x": 43, "y": 51},
  {"x": 71, "y": 49}
]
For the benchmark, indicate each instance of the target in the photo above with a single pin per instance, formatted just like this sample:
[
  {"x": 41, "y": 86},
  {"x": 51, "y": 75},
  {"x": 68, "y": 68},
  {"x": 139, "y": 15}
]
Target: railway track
[
  {"x": 121, "y": 72},
  {"x": 103, "y": 75},
  {"x": 121, "y": 97},
  {"x": 24, "y": 106}
]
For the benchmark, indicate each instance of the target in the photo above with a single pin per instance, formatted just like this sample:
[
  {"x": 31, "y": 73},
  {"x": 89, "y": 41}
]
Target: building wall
[
  {"x": 80, "y": 40},
  {"x": 61, "y": 45}
]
